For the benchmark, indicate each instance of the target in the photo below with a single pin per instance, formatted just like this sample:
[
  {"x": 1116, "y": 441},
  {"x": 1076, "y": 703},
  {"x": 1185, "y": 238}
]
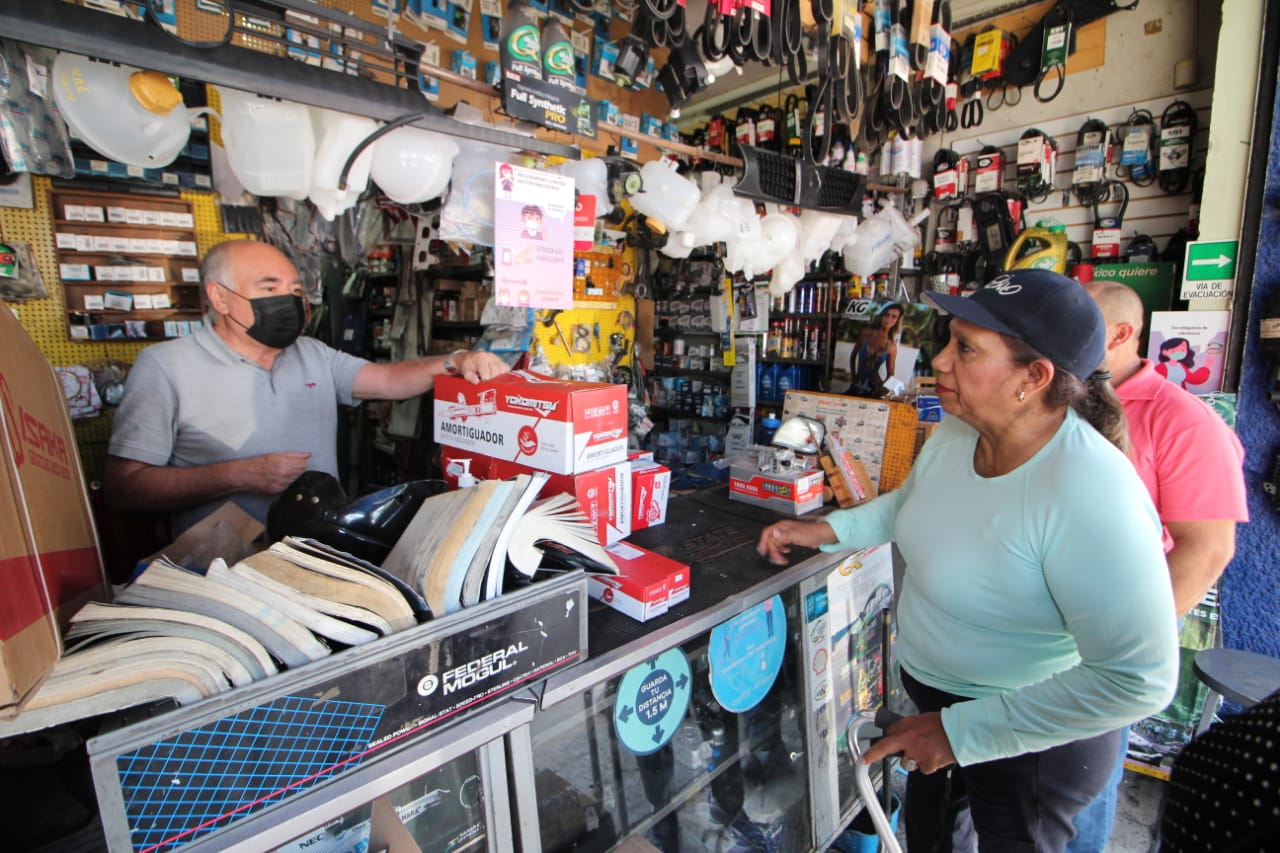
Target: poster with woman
[
  {"x": 877, "y": 341},
  {"x": 533, "y": 233},
  {"x": 1186, "y": 347}
]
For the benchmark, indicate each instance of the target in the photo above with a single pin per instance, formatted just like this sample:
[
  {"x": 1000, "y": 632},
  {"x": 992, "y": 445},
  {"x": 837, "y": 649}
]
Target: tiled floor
[{"x": 1137, "y": 814}]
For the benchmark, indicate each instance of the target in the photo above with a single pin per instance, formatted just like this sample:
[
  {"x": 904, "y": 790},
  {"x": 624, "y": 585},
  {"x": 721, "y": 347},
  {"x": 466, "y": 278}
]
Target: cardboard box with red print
[
  {"x": 554, "y": 425},
  {"x": 650, "y": 488},
  {"x": 50, "y": 563},
  {"x": 647, "y": 585},
  {"x": 792, "y": 493},
  {"x": 604, "y": 495}
]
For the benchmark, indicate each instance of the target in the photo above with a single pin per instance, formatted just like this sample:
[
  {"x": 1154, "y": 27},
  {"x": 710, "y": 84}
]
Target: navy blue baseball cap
[{"x": 1051, "y": 312}]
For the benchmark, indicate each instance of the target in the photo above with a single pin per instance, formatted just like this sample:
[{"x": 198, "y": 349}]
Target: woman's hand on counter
[
  {"x": 776, "y": 539},
  {"x": 921, "y": 739}
]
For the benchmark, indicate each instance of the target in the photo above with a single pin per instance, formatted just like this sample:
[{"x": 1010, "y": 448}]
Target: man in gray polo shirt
[{"x": 243, "y": 406}]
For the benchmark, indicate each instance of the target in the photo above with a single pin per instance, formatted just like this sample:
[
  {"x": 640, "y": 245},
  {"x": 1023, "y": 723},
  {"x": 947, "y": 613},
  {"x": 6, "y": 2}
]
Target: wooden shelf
[{"x": 184, "y": 302}]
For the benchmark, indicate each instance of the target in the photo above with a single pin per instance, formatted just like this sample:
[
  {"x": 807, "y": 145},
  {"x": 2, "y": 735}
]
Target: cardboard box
[
  {"x": 792, "y": 493},
  {"x": 604, "y": 495},
  {"x": 650, "y": 488},
  {"x": 647, "y": 586},
  {"x": 879, "y": 433},
  {"x": 550, "y": 424},
  {"x": 50, "y": 562}
]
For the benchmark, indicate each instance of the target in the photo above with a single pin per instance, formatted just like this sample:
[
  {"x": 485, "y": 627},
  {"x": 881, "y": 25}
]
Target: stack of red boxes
[{"x": 575, "y": 431}]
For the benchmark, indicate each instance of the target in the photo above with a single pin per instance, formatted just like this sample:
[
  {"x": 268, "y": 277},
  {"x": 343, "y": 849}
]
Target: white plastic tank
[
  {"x": 412, "y": 165},
  {"x": 271, "y": 145},
  {"x": 337, "y": 135},
  {"x": 126, "y": 114}
]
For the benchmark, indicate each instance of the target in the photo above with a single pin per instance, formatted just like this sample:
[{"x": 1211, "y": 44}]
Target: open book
[{"x": 456, "y": 549}]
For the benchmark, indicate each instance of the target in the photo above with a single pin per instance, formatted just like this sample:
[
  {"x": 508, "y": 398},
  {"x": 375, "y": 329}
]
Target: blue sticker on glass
[
  {"x": 652, "y": 698},
  {"x": 746, "y": 654}
]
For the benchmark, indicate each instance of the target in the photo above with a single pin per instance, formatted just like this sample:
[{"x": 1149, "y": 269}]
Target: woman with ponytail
[{"x": 1035, "y": 617}]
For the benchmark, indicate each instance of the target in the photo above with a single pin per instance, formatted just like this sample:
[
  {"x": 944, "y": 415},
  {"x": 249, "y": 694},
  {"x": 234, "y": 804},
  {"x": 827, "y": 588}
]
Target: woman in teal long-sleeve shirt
[{"x": 1036, "y": 616}]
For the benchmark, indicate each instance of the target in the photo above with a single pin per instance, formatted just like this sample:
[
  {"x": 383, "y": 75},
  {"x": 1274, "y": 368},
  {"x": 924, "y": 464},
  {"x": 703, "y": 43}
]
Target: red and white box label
[
  {"x": 604, "y": 495},
  {"x": 550, "y": 424},
  {"x": 650, "y": 488}
]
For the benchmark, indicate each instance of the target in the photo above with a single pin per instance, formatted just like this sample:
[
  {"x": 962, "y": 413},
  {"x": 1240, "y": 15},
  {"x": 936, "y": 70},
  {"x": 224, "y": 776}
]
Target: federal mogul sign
[{"x": 323, "y": 720}]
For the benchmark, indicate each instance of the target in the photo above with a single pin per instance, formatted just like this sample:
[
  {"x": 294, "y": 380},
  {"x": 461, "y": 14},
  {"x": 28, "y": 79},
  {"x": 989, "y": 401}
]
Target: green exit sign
[{"x": 1209, "y": 270}]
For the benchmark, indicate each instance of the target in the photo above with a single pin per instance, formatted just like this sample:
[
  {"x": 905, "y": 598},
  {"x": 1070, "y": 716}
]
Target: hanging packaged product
[
  {"x": 944, "y": 234},
  {"x": 521, "y": 43},
  {"x": 988, "y": 54},
  {"x": 1177, "y": 138},
  {"x": 557, "y": 56},
  {"x": 1093, "y": 152},
  {"x": 1037, "y": 161},
  {"x": 994, "y": 225},
  {"x": 767, "y": 129},
  {"x": 1136, "y": 155},
  {"x": 988, "y": 175},
  {"x": 1108, "y": 230},
  {"x": 1054, "y": 49},
  {"x": 950, "y": 175},
  {"x": 964, "y": 223},
  {"x": 745, "y": 129}
]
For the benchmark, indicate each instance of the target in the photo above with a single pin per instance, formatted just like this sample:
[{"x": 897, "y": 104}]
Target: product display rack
[{"x": 128, "y": 264}]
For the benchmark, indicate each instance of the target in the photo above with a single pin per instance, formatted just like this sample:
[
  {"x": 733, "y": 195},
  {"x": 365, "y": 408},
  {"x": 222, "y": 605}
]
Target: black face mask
[{"x": 277, "y": 320}]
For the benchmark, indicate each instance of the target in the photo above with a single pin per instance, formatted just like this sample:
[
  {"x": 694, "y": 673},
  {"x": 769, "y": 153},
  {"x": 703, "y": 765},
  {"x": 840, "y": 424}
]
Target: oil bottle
[{"x": 1042, "y": 246}]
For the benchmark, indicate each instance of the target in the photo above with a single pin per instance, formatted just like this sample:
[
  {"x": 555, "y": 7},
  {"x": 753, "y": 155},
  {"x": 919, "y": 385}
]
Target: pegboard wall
[{"x": 46, "y": 319}]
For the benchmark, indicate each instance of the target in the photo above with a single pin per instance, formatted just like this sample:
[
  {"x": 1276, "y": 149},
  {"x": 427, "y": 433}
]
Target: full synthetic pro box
[{"x": 559, "y": 426}]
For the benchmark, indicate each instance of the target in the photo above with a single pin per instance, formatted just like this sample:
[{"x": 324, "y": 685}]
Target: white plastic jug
[
  {"x": 411, "y": 164},
  {"x": 786, "y": 273},
  {"x": 666, "y": 197},
  {"x": 817, "y": 228},
  {"x": 337, "y": 135},
  {"x": 711, "y": 220},
  {"x": 590, "y": 177},
  {"x": 880, "y": 239},
  {"x": 744, "y": 232},
  {"x": 126, "y": 114},
  {"x": 271, "y": 145},
  {"x": 778, "y": 237}
]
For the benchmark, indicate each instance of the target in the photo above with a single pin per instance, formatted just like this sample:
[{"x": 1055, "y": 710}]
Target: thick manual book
[{"x": 457, "y": 549}]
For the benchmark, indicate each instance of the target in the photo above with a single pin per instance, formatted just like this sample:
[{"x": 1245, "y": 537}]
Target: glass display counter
[{"x": 717, "y": 726}]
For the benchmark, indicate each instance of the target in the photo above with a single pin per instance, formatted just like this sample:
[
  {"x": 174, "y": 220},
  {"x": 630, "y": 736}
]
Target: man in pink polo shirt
[{"x": 1192, "y": 464}]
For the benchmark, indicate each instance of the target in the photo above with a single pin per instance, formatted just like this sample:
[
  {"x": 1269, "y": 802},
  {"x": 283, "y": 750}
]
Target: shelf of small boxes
[{"x": 128, "y": 264}]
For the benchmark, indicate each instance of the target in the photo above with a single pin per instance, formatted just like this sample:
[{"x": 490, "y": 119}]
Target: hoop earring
[{"x": 1022, "y": 396}]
